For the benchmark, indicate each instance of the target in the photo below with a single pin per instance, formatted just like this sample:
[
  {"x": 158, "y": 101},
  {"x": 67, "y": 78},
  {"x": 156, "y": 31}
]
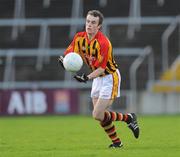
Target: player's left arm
[
  {"x": 96, "y": 73},
  {"x": 100, "y": 65},
  {"x": 84, "y": 78}
]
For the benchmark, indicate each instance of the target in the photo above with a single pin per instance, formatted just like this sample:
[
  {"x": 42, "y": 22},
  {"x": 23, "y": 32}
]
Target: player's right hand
[{"x": 60, "y": 60}]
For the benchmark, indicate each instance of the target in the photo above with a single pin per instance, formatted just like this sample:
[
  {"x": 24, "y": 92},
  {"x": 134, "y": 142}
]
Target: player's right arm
[
  {"x": 60, "y": 60},
  {"x": 69, "y": 49}
]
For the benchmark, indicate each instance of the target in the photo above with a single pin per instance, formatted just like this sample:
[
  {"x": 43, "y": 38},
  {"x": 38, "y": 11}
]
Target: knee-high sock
[
  {"x": 117, "y": 116},
  {"x": 110, "y": 128}
]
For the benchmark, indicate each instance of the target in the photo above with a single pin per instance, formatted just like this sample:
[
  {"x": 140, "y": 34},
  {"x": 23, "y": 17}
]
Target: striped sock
[
  {"x": 110, "y": 129},
  {"x": 117, "y": 116}
]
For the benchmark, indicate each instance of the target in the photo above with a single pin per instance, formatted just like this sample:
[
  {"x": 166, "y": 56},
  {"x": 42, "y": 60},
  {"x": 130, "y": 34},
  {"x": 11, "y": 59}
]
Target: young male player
[{"x": 96, "y": 51}]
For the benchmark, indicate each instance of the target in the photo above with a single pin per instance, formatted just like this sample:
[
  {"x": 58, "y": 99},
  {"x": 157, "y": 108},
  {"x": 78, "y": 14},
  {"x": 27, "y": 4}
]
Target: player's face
[{"x": 92, "y": 25}]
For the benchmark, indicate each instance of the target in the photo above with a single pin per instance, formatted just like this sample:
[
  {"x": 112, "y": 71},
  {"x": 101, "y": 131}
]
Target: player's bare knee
[{"x": 97, "y": 115}]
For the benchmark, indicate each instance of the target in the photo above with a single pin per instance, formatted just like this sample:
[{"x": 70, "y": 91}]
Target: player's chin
[{"x": 89, "y": 31}]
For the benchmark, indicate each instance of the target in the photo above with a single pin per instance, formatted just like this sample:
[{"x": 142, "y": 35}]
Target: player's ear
[{"x": 99, "y": 27}]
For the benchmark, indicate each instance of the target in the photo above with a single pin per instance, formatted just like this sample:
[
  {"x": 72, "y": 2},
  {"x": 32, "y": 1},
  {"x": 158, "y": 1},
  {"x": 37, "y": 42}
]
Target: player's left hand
[{"x": 83, "y": 78}]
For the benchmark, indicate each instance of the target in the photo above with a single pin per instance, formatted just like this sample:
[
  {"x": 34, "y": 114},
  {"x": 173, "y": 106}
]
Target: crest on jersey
[{"x": 83, "y": 48}]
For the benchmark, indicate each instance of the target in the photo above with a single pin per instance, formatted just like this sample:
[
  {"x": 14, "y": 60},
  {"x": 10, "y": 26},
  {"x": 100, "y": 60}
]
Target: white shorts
[{"x": 106, "y": 87}]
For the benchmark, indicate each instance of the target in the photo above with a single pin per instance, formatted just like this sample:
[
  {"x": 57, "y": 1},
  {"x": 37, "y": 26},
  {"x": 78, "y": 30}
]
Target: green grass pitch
[{"x": 81, "y": 136}]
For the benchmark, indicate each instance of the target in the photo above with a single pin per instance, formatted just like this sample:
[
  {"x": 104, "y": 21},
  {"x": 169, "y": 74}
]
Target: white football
[{"x": 72, "y": 62}]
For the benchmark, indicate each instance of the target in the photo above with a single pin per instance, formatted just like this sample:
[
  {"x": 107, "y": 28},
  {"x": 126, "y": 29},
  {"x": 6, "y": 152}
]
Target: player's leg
[
  {"x": 111, "y": 89},
  {"x": 129, "y": 118},
  {"x": 118, "y": 116},
  {"x": 100, "y": 106}
]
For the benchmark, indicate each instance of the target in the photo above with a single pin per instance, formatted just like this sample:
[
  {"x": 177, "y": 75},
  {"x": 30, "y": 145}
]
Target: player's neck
[{"x": 91, "y": 36}]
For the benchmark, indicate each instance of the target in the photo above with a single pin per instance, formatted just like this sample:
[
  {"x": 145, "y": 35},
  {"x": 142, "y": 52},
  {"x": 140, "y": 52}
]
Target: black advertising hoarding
[{"x": 38, "y": 102}]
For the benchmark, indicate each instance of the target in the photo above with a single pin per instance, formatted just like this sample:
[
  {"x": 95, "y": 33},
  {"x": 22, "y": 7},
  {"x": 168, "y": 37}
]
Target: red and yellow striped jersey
[{"x": 95, "y": 53}]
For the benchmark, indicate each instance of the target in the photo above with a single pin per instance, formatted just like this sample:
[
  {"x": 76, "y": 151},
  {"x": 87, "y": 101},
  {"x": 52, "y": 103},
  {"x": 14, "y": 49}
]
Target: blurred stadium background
[{"x": 33, "y": 33}]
